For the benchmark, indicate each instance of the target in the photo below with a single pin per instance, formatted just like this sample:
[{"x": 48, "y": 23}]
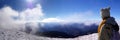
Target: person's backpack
[
  {"x": 114, "y": 29},
  {"x": 108, "y": 29}
]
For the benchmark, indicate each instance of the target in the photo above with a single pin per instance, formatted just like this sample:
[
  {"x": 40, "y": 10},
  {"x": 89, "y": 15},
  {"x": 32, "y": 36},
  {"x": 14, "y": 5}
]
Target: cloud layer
[
  {"x": 32, "y": 14},
  {"x": 6, "y": 15},
  {"x": 52, "y": 20},
  {"x": 12, "y": 19}
]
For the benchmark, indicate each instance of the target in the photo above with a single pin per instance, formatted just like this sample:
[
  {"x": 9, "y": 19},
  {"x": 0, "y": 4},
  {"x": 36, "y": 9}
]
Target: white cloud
[
  {"x": 6, "y": 19},
  {"x": 89, "y": 22},
  {"x": 52, "y": 20},
  {"x": 7, "y": 14},
  {"x": 32, "y": 14}
]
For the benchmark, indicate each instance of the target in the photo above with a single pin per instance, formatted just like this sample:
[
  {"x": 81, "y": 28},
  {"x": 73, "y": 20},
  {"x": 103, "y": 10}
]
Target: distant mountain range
[{"x": 68, "y": 30}]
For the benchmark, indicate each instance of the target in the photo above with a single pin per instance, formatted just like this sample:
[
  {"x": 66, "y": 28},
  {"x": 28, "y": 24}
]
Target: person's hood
[{"x": 111, "y": 20}]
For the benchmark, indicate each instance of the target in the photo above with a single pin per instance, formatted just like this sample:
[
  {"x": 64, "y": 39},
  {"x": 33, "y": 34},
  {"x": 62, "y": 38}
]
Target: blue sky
[{"x": 67, "y": 9}]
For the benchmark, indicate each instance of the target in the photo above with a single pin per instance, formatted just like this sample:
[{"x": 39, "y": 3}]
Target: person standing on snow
[{"x": 107, "y": 26}]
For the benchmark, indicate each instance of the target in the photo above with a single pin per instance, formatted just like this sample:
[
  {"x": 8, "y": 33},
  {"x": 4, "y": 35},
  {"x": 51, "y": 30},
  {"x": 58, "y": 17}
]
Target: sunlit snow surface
[{"x": 18, "y": 35}]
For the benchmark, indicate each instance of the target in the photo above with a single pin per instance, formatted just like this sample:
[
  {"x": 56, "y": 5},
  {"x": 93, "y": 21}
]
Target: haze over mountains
[{"x": 67, "y": 30}]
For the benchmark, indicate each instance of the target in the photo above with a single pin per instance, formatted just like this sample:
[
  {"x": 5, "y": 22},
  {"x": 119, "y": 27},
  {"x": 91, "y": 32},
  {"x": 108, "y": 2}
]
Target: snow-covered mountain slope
[
  {"x": 6, "y": 34},
  {"x": 18, "y": 35}
]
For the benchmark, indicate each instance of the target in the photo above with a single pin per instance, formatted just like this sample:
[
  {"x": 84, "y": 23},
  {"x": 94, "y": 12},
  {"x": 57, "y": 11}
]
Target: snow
[{"x": 6, "y": 34}]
